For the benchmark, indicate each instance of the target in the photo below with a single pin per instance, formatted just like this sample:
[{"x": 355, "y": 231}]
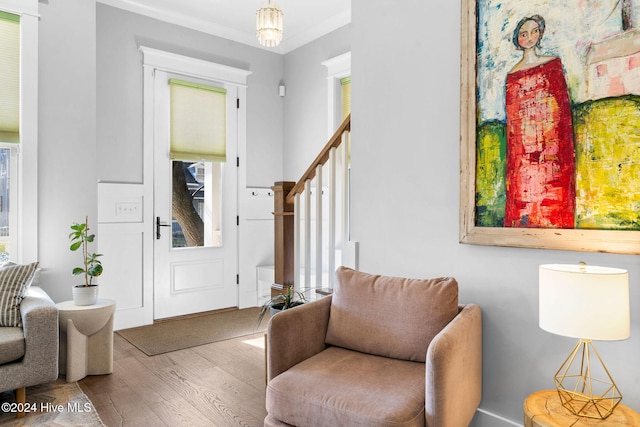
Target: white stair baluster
[
  {"x": 331, "y": 261},
  {"x": 296, "y": 242},
  {"x": 307, "y": 234},
  {"x": 344, "y": 238},
  {"x": 318, "y": 218}
]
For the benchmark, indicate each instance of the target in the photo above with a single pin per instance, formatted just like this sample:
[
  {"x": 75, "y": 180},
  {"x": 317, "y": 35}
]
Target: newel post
[{"x": 283, "y": 233}]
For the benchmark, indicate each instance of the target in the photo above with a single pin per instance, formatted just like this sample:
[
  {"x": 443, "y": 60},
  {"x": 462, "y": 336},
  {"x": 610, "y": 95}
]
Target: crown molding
[
  {"x": 313, "y": 33},
  {"x": 289, "y": 43}
]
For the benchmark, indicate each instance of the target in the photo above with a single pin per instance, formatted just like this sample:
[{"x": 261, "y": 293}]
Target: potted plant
[
  {"x": 280, "y": 302},
  {"x": 86, "y": 293}
]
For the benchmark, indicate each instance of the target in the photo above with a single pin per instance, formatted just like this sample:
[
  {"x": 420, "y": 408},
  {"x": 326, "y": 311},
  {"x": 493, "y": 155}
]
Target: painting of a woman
[{"x": 540, "y": 158}]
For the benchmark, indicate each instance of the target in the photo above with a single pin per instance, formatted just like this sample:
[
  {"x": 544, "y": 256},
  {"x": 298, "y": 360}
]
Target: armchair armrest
[
  {"x": 296, "y": 334},
  {"x": 40, "y": 326},
  {"x": 454, "y": 370}
]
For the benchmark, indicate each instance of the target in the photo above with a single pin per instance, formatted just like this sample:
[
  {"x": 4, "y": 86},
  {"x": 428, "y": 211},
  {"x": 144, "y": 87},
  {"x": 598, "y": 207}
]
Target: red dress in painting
[{"x": 540, "y": 190}]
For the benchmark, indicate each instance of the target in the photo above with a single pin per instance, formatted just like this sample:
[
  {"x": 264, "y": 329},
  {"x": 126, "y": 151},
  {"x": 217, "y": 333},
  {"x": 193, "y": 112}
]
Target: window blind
[
  {"x": 346, "y": 96},
  {"x": 9, "y": 77},
  {"x": 198, "y": 121}
]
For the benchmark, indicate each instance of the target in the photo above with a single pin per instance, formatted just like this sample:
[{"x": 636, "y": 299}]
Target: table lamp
[{"x": 589, "y": 303}]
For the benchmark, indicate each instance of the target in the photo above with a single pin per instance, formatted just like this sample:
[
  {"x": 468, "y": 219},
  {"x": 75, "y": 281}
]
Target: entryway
[
  {"x": 152, "y": 278},
  {"x": 195, "y": 195}
]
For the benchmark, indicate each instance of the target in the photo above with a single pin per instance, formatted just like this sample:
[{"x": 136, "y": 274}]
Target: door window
[
  {"x": 197, "y": 204},
  {"x": 198, "y": 155}
]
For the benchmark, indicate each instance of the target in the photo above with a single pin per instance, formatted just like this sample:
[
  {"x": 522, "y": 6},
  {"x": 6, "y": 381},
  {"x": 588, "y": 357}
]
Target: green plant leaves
[
  {"x": 80, "y": 238},
  {"x": 95, "y": 271}
]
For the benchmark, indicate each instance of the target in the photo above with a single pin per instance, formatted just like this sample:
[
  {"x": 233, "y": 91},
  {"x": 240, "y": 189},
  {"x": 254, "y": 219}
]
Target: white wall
[
  {"x": 67, "y": 135},
  {"x": 405, "y": 201}
]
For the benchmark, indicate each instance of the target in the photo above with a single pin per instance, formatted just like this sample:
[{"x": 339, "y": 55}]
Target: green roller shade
[
  {"x": 346, "y": 96},
  {"x": 9, "y": 77},
  {"x": 198, "y": 122}
]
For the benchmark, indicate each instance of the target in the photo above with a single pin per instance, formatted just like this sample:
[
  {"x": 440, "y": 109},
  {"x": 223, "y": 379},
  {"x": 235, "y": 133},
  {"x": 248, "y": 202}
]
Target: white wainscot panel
[
  {"x": 256, "y": 240},
  {"x": 258, "y": 203},
  {"x": 125, "y": 237},
  {"x": 257, "y": 250},
  {"x": 123, "y": 264},
  {"x": 120, "y": 203}
]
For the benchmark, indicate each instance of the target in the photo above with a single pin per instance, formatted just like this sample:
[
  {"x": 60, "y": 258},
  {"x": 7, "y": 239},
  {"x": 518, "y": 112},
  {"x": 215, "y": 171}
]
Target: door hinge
[
  {"x": 237, "y": 219},
  {"x": 237, "y": 279},
  {"x": 237, "y": 102},
  {"x": 238, "y": 162}
]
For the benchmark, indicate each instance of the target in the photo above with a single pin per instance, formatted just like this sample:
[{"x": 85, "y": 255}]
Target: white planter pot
[
  {"x": 83, "y": 295},
  {"x": 277, "y": 308}
]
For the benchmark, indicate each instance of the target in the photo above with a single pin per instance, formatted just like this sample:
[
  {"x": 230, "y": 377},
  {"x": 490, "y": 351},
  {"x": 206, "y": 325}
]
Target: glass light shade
[
  {"x": 584, "y": 301},
  {"x": 269, "y": 26}
]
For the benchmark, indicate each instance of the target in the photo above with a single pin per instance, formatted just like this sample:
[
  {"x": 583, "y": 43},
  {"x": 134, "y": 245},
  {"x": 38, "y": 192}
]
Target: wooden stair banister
[
  {"x": 284, "y": 199},
  {"x": 321, "y": 159}
]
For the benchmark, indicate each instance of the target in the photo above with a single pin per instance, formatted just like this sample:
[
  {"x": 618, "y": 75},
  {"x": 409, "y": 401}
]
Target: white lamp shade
[{"x": 584, "y": 301}]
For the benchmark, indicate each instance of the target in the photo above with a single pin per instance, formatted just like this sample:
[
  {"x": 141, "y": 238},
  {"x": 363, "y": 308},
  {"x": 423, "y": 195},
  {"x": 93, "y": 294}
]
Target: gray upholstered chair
[
  {"x": 29, "y": 354},
  {"x": 380, "y": 351}
]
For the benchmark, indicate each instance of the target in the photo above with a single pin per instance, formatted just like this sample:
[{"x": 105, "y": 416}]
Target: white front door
[{"x": 189, "y": 276}]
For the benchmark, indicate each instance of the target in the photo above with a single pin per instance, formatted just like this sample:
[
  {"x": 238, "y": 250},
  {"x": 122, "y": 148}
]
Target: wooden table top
[{"x": 544, "y": 409}]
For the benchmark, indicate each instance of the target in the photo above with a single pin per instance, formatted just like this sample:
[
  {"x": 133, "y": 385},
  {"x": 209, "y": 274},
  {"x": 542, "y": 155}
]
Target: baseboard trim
[{"x": 484, "y": 418}]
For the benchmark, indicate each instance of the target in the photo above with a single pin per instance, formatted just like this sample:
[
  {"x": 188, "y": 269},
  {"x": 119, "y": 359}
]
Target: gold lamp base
[{"x": 580, "y": 392}]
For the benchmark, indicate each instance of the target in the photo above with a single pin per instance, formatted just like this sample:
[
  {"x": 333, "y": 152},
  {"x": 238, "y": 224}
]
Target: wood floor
[{"x": 220, "y": 384}]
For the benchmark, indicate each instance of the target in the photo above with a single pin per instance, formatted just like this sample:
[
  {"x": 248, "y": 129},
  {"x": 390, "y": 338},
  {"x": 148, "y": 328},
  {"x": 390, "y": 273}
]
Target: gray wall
[
  {"x": 119, "y": 76},
  {"x": 305, "y": 111},
  {"x": 405, "y": 201},
  {"x": 90, "y": 114},
  {"x": 67, "y": 136}
]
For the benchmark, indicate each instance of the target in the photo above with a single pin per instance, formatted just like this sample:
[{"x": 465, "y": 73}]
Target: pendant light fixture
[{"x": 269, "y": 25}]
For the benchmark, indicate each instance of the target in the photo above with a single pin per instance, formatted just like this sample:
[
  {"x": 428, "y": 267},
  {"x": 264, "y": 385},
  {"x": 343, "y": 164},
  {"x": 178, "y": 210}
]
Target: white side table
[{"x": 86, "y": 338}]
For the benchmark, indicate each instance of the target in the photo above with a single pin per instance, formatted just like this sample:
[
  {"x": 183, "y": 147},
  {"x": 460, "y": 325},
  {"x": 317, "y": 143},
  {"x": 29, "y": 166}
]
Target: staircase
[{"x": 312, "y": 220}]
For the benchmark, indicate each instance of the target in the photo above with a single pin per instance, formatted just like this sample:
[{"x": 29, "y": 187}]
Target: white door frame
[
  {"x": 337, "y": 68},
  {"x": 198, "y": 279},
  {"x": 154, "y": 59}
]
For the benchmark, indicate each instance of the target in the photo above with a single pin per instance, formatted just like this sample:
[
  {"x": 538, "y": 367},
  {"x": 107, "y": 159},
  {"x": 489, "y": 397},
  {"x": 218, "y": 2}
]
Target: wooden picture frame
[{"x": 577, "y": 239}]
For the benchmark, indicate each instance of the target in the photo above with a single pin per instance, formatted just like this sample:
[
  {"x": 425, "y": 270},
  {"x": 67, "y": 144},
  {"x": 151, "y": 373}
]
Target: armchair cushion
[
  {"x": 340, "y": 387},
  {"x": 11, "y": 344},
  {"x": 14, "y": 282},
  {"x": 389, "y": 316}
]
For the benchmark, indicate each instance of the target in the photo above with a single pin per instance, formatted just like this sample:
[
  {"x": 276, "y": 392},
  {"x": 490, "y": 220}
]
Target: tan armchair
[{"x": 381, "y": 351}]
